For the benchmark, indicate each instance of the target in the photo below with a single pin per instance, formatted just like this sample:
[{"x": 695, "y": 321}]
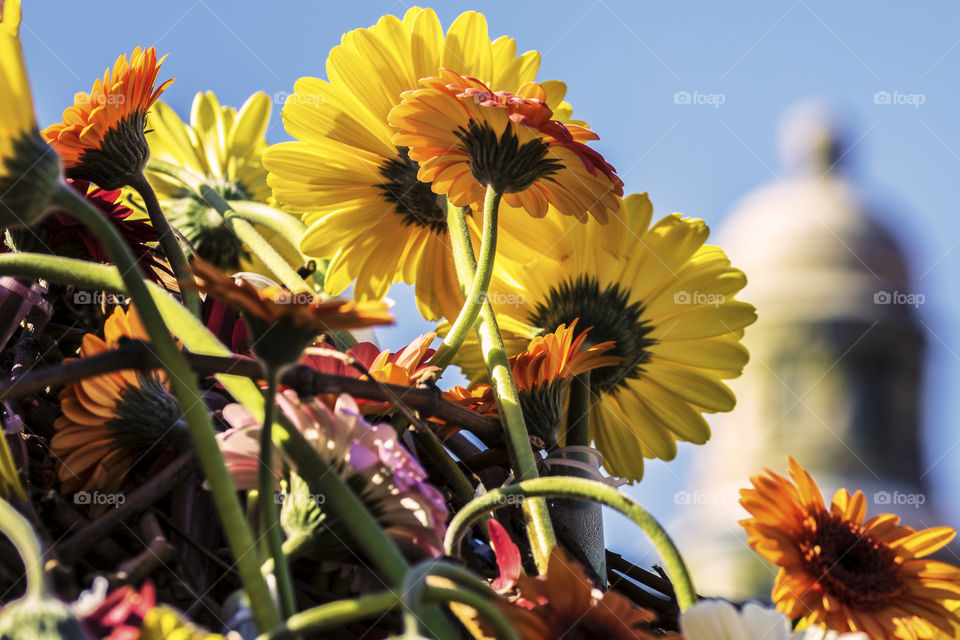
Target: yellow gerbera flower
[
  {"x": 466, "y": 138},
  {"x": 358, "y": 192},
  {"x": 223, "y": 147},
  {"x": 667, "y": 302},
  {"x": 101, "y": 138},
  {"x": 109, "y": 421},
  {"x": 29, "y": 170},
  {"x": 849, "y": 573}
]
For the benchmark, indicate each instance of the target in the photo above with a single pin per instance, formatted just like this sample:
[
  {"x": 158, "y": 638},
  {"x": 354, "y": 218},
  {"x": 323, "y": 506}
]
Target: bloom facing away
[
  {"x": 109, "y": 421},
  {"x": 359, "y": 193},
  {"x": 467, "y": 137},
  {"x": 844, "y": 572},
  {"x": 667, "y": 302},
  {"x": 542, "y": 374},
  {"x": 720, "y": 620},
  {"x": 368, "y": 457},
  {"x": 29, "y": 170},
  {"x": 282, "y": 324},
  {"x": 101, "y": 138},
  {"x": 223, "y": 147}
]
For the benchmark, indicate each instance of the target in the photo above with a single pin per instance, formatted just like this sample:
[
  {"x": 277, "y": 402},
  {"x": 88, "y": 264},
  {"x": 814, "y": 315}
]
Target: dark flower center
[
  {"x": 503, "y": 162},
  {"x": 147, "y": 417},
  {"x": 612, "y": 317},
  {"x": 205, "y": 229},
  {"x": 852, "y": 567},
  {"x": 414, "y": 200}
]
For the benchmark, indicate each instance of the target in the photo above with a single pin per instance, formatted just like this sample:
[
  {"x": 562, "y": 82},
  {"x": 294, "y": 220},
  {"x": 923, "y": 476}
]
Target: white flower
[{"x": 720, "y": 620}]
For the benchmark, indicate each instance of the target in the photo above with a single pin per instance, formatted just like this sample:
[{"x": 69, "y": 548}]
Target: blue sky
[{"x": 623, "y": 63}]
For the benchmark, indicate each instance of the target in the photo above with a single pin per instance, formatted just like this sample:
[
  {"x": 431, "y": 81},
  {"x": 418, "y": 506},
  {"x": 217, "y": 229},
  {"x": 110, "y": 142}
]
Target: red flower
[{"x": 121, "y": 614}]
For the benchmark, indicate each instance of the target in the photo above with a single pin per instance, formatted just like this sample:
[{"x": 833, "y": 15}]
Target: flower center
[
  {"x": 854, "y": 568},
  {"x": 612, "y": 317},
  {"x": 146, "y": 417},
  {"x": 414, "y": 200},
  {"x": 503, "y": 162}
]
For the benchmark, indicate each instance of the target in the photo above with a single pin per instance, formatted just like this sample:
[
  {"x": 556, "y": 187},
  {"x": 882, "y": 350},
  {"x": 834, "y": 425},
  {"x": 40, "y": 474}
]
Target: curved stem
[
  {"x": 477, "y": 292},
  {"x": 269, "y": 519},
  {"x": 583, "y": 489},
  {"x": 184, "y": 386},
  {"x": 539, "y": 527},
  {"x": 15, "y": 526},
  {"x": 168, "y": 241},
  {"x": 343, "y": 612},
  {"x": 287, "y": 225}
]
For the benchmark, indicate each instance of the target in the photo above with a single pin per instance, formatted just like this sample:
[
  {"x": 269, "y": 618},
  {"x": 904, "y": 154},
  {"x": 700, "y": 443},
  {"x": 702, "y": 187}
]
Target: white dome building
[{"x": 836, "y": 359}]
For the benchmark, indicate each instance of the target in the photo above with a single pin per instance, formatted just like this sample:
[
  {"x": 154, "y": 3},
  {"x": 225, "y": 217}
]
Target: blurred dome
[{"x": 809, "y": 247}]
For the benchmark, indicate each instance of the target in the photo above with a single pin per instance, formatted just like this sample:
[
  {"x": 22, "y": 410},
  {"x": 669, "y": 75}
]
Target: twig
[
  {"x": 142, "y": 498},
  {"x": 135, "y": 354}
]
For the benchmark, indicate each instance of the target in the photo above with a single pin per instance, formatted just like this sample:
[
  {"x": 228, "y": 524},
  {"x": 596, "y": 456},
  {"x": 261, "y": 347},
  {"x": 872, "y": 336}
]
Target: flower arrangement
[{"x": 210, "y": 451}]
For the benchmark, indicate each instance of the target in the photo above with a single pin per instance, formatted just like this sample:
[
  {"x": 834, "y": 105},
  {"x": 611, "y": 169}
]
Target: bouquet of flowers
[{"x": 200, "y": 441}]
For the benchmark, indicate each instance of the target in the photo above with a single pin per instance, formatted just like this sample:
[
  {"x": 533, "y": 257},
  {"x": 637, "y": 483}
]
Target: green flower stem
[
  {"x": 269, "y": 518},
  {"x": 366, "y": 532},
  {"x": 539, "y": 527},
  {"x": 286, "y": 225},
  {"x": 183, "y": 383},
  {"x": 415, "y": 587},
  {"x": 188, "y": 329},
  {"x": 256, "y": 242},
  {"x": 364, "y": 529},
  {"x": 477, "y": 292},
  {"x": 578, "y": 412},
  {"x": 277, "y": 264},
  {"x": 342, "y": 612},
  {"x": 583, "y": 489},
  {"x": 15, "y": 526},
  {"x": 168, "y": 241}
]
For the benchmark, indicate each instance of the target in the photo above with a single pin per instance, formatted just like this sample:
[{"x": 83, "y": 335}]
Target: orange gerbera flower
[
  {"x": 406, "y": 368},
  {"x": 467, "y": 137},
  {"x": 283, "y": 323},
  {"x": 846, "y": 573},
  {"x": 542, "y": 374},
  {"x": 101, "y": 138},
  {"x": 564, "y": 604},
  {"x": 109, "y": 421}
]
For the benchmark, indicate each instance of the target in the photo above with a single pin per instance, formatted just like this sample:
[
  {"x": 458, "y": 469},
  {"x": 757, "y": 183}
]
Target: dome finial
[{"x": 812, "y": 138}]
